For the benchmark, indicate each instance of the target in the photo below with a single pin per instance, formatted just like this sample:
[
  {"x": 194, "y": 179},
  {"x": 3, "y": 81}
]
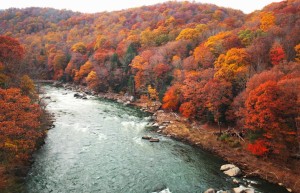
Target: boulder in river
[
  {"x": 146, "y": 137},
  {"x": 233, "y": 172},
  {"x": 80, "y": 96},
  {"x": 230, "y": 170},
  {"x": 243, "y": 189},
  {"x": 77, "y": 95},
  {"x": 210, "y": 190},
  {"x": 155, "y": 125},
  {"x": 131, "y": 98},
  {"x": 127, "y": 103},
  {"x": 154, "y": 140},
  {"x": 227, "y": 167}
]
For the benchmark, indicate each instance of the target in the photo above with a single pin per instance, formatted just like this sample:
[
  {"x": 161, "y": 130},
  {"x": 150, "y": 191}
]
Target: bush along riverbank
[{"x": 229, "y": 145}]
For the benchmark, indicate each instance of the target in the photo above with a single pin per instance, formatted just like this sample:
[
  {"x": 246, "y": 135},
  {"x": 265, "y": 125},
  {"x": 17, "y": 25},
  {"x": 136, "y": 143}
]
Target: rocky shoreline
[{"x": 203, "y": 136}]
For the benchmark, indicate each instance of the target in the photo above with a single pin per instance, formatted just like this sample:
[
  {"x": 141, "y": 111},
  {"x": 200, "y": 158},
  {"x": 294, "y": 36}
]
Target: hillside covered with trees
[
  {"x": 211, "y": 64},
  {"x": 21, "y": 115}
]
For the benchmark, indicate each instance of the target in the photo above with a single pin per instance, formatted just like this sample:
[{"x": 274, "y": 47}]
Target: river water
[{"x": 96, "y": 146}]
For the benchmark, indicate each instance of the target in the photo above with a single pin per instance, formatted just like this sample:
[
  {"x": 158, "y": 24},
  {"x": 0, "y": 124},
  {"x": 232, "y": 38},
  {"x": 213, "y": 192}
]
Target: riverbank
[{"x": 204, "y": 136}]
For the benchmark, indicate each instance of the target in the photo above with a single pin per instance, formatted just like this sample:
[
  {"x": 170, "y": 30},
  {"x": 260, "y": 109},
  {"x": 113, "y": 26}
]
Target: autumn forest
[{"x": 210, "y": 64}]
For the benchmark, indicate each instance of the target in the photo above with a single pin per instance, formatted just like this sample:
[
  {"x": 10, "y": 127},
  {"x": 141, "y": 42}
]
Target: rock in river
[
  {"x": 154, "y": 140},
  {"x": 242, "y": 189},
  {"x": 146, "y": 137},
  {"x": 233, "y": 172},
  {"x": 230, "y": 170},
  {"x": 227, "y": 167}
]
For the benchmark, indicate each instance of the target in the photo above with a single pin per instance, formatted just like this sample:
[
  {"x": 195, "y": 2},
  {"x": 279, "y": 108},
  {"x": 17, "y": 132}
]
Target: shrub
[{"x": 258, "y": 148}]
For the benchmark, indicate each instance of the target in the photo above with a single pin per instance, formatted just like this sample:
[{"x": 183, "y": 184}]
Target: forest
[{"x": 211, "y": 64}]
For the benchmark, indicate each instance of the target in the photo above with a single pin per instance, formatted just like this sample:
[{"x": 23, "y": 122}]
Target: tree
[
  {"x": 147, "y": 38},
  {"x": 83, "y": 72},
  {"x": 101, "y": 42},
  {"x": 131, "y": 52},
  {"x": 79, "y": 47},
  {"x": 4, "y": 79},
  {"x": 153, "y": 95},
  {"x": 11, "y": 54},
  {"x": 188, "y": 109},
  {"x": 277, "y": 54},
  {"x": 218, "y": 97},
  {"x": 160, "y": 70},
  {"x": 297, "y": 49},
  {"x": 92, "y": 80},
  {"x": 142, "y": 69},
  {"x": 11, "y": 50},
  {"x": 188, "y": 34},
  {"x": 172, "y": 98},
  {"x": 216, "y": 43},
  {"x": 258, "y": 51},
  {"x": 247, "y": 36},
  {"x": 193, "y": 93},
  {"x": 27, "y": 87},
  {"x": 203, "y": 56},
  {"x": 234, "y": 68},
  {"x": 267, "y": 20},
  {"x": 258, "y": 148},
  {"x": 271, "y": 111},
  {"x": 59, "y": 64}
]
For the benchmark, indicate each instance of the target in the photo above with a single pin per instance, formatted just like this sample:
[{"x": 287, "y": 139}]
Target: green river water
[{"x": 96, "y": 147}]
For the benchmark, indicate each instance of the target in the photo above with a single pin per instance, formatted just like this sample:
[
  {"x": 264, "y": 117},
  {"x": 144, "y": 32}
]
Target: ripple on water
[{"x": 102, "y": 137}]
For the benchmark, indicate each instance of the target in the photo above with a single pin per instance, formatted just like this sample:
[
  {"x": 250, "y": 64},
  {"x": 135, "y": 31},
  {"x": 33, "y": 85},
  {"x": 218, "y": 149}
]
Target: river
[{"x": 96, "y": 146}]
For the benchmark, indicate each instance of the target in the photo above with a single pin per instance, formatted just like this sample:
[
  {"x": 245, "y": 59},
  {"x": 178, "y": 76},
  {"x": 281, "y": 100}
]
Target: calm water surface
[{"x": 96, "y": 147}]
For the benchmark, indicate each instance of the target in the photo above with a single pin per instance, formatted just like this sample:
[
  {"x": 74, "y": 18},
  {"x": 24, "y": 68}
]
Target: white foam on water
[
  {"x": 101, "y": 137},
  {"x": 112, "y": 118},
  {"x": 79, "y": 128},
  {"x": 82, "y": 129},
  {"x": 141, "y": 126},
  {"x": 133, "y": 125},
  {"x": 128, "y": 124},
  {"x": 138, "y": 141}
]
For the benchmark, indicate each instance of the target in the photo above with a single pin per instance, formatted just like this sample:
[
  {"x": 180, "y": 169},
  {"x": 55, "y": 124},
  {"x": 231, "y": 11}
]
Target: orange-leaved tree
[
  {"x": 271, "y": 111},
  {"x": 10, "y": 50},
  {"x": 92, "y": 80},
  {"x": 172, "y": 98},
  {"x": 267, "y": 20},
  {"x": 233, "y": 67}
]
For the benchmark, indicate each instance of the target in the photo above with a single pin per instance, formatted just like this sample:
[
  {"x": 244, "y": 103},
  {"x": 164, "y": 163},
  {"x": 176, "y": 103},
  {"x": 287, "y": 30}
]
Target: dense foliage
[
  {"x": 209, "y": 63},
  {"x": 19, "y": 113}
]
